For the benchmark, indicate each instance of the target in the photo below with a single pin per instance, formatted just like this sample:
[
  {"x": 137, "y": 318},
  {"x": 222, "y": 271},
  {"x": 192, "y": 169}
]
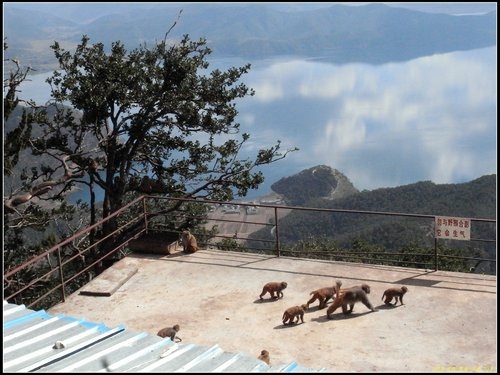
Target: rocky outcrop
[{"x": 317, "y": 182}]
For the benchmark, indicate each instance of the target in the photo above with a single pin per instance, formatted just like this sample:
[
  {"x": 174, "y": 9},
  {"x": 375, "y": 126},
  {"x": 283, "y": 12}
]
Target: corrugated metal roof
[{"x": 30, "y": 337}]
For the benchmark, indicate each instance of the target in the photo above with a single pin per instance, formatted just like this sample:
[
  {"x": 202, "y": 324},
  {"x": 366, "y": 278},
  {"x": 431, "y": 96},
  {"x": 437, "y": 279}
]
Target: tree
[
  {"x": 151, "y": 122},
  {"x": 30, "y": 225}
]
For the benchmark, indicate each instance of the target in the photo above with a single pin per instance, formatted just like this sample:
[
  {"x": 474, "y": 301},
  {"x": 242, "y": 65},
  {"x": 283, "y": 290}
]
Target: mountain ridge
[
  {"x": 372, "y": 33},
  {"x": 348, "y": 228},
  {"x": 320, "y": 181},
  {"x": 332, "y": 189}
]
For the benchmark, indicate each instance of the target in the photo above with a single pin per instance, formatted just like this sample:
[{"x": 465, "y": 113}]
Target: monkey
[
  {"x": 170, "y": 332},
  {"x": 274, "y": 287},
  {"x": 323, "y": 295},
  {"x": 349, "y": 297},
  {"x": 294, "y": 312},
  {"x": 189, "y": 243},
  {"x": 326, "y": 293},
  {"x": 264, "y": 356},
  {"x": 396, "y": 293}
]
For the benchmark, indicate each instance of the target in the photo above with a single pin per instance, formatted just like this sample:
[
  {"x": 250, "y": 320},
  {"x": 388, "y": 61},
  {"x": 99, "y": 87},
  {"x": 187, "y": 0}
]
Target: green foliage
[
  {"x": 360, "y": 251},
  {"x": 29, "y": 230},
  {"x": 476, "y": 199},
  {"x": 319, "y": 182},
  {"x": 152, "y": 121},
  {"x": 156, "y": 114},
  {"x": 305, "y": 186},
  {"x": 228, "y": 244}
]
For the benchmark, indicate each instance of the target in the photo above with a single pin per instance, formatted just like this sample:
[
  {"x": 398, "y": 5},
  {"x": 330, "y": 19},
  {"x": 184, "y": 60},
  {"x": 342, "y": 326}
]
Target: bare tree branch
[{"x": 39, "y": 189}]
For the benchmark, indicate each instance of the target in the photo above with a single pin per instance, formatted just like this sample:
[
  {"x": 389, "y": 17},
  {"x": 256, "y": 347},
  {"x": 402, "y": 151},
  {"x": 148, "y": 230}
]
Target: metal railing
[
  {"x": 41, "y": 265},
  {"x": 146, "y": 215}
]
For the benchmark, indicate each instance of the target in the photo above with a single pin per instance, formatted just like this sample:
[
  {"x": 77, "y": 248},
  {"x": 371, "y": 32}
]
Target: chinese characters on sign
[{"x": 454, "y": 228}]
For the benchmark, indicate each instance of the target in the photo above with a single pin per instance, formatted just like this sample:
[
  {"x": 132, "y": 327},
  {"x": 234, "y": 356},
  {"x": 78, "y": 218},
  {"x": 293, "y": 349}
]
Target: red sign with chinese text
[{"x": 453, "y": 228}]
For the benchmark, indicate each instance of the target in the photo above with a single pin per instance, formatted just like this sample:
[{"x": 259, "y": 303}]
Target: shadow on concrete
[
  {"x": 417, "y": 282},
  {"x": 266, "y": 300},
  {"x": 340, "y": 316},
  {"x": 314, "y": 308},
  {"x": 283, "y": 326},
  {"x": 386, "y": 307},
  {"x": 217, "y": 260}
]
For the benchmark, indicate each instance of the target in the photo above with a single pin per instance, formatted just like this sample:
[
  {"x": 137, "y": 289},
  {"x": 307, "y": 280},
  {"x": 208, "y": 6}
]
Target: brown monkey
[
  {"x": 323, "y": 295},
  {"x": 294, "y": 312},
  {"x": 274, "y": 287},
  {"x": 264, "y": 356},
  {"x": 326, "y": 293},
  {"x": 349, "y": 297},
  {"x": 170, "y": 332},
  {"x": 189, "y": 243},
  {"x": 396, "y": 293}
]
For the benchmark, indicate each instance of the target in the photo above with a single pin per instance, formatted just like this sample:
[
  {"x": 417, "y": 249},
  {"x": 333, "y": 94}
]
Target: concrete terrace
[{"x": 448, "y": 322}]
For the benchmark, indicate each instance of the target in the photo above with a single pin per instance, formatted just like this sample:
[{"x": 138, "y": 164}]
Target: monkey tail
[
  {"x": 336, "y": 301},
  {"x": 338, "y": 284}
]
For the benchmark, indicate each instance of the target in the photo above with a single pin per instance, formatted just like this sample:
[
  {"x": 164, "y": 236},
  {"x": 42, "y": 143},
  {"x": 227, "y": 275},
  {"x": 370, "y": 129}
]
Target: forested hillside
[
  {"x": 374, "y": 33},
  {"x": 317, "y": 182},
  {"x": 474, "y": 199}
]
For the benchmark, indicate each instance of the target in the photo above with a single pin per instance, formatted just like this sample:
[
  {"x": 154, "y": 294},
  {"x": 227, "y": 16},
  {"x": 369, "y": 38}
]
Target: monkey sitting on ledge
[{"x": 189, "y": 243}]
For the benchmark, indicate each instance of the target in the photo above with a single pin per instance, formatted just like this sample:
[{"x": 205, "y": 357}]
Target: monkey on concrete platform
[
  {"x": 323, "y": 295},
  {"x": 264, "y": 356},
  {"x": 170, "y": 332},
  {"x": 294, "y": 312},
  {"x": 189, "y": 242},
  {"x": 396, "y": 293},
  {"x": 349, "y": 296},
  {"x": 274, "y": 287}
]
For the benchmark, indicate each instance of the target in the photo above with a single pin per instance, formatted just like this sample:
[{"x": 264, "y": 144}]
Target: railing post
[
  {"x": 435, "y": 254},
  {"x": 277, "y": 231},
  {"x": 61, "y": 275},
  {"x": 145, "y": 214}
]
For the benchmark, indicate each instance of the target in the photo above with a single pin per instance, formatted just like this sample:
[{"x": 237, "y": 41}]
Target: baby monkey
[
  {"x": 264, "y": 356},
  {"x": 295, "y": 312},
  {"x": 170, "y": 332},
  {"x": 396, "y": 293}
]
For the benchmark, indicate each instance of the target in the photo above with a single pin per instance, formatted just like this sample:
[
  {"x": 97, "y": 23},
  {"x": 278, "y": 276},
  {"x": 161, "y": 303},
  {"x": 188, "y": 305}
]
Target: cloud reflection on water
[{"x": 432, "y": 118}]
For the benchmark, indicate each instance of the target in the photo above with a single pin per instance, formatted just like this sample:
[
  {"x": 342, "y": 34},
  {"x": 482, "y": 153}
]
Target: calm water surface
[{"x": 432, "y": 118}]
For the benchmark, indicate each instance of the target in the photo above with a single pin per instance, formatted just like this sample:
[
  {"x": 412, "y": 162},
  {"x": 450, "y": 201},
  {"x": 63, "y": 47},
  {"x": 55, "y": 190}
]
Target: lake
[{"x": 432, "y": 118}]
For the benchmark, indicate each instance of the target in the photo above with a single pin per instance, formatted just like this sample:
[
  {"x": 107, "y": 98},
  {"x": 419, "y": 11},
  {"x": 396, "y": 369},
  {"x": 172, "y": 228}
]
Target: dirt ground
[{"x": 448, "y": 321}]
